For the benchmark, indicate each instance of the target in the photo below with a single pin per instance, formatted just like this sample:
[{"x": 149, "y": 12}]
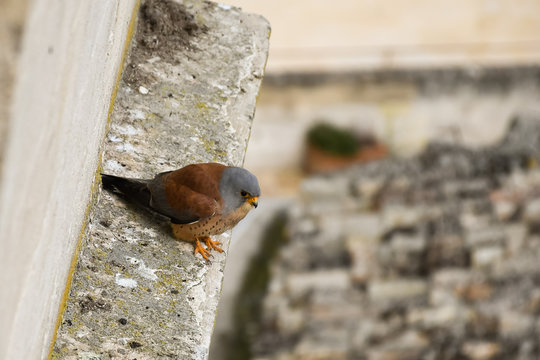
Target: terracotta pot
[{"x": 318, "y": 161}]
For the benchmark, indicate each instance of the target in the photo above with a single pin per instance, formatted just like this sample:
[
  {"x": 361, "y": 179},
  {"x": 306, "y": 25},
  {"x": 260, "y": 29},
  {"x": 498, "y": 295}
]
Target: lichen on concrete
[{"x": 187, "y": 95}]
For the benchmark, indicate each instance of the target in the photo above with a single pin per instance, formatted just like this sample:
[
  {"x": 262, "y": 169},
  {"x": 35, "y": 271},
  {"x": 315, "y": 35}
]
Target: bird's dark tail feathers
[{"x": 132, "y": 190}]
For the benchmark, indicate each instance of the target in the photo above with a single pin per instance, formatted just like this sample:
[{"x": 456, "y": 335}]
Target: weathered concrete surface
[
  {"x": 68, "y": 67},
  {"x": 137, "y": 292}
]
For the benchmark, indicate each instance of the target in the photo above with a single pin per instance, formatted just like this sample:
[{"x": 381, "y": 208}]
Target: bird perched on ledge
[{"x": 200, "y": 199}]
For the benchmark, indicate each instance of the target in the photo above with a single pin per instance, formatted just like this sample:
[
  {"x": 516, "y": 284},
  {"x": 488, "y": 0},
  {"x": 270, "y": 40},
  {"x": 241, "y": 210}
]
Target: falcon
[{"x": 200, "y": 200}]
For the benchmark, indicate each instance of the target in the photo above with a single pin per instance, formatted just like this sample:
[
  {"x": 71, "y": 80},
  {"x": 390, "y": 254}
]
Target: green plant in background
[{"x": 332, "y": 139}]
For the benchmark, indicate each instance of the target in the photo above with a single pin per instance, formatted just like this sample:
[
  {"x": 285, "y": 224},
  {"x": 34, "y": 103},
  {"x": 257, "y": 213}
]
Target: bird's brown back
[{"x": 188, "y": 194}]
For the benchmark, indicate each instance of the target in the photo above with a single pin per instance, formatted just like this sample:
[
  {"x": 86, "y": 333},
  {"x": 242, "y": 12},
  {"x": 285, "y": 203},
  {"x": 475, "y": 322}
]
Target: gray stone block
[
  {"x": 532, "y": 210},
  {"x": 487, "y": 255},
  {"x": 396, "y": 291},
  {"x": 489, "y": 235},
  {"x": 452, "y": 318}
]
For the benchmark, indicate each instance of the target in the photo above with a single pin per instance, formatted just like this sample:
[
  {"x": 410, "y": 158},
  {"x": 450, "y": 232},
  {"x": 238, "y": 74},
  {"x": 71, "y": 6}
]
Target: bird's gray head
[{"x": 236, "y": 186}]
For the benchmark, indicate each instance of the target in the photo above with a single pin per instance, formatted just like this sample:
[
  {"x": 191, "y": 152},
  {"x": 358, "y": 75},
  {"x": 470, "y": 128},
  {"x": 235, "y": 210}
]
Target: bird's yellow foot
[
  {"x": 210, "y": 244},
  {"x": 199, "y": 249}
]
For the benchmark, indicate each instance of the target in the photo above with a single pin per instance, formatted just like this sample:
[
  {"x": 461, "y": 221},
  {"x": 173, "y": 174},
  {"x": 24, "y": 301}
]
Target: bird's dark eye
[{"x": 243, "y": 193}]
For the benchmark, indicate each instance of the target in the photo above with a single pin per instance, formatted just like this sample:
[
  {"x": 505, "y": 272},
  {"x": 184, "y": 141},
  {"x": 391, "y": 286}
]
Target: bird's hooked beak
[{"x": 254, "y": 200}]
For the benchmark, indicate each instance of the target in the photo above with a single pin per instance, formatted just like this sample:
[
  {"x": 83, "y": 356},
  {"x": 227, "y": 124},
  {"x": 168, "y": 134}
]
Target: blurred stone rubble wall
[{"x": 435, "y": 257}]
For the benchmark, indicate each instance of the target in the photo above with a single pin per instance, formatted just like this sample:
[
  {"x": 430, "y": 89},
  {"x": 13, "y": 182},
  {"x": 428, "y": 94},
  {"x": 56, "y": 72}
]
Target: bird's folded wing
[{"x": 179, "y": 202}]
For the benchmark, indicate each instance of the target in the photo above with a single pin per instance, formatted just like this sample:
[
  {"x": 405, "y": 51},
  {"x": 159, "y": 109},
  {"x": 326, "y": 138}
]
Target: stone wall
[{"x": 435, "y": 257}]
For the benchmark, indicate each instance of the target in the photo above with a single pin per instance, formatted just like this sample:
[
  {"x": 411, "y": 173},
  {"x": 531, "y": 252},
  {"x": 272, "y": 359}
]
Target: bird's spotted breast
[{"x": 213, "y": 225}]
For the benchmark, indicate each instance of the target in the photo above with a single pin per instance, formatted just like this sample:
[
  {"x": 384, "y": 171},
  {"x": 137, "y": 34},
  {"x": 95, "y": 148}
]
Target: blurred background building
[
  {"x": 403, "y": 246},
  {"x": 337, "y": 62}
]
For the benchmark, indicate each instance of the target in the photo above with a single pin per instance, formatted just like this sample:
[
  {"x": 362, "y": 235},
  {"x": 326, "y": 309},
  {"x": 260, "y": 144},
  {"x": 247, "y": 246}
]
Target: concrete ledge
[{"x": 187, "y": 95}]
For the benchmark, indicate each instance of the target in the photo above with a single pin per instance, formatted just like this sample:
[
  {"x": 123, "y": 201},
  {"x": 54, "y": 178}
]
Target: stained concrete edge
[
  {"x": 67, "y": 70},
  {"x": 136, "y": 291}
]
